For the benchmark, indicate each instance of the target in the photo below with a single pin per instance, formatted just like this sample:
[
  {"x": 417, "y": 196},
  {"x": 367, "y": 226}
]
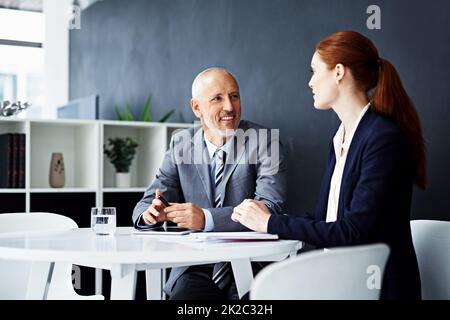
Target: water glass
[{"x": 103, "y": 220}]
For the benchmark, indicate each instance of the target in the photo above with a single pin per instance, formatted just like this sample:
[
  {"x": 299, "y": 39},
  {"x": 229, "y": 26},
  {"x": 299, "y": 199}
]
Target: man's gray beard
[
  {"x": 222, "y": 133},
  {"x": 217, "y": 132}
]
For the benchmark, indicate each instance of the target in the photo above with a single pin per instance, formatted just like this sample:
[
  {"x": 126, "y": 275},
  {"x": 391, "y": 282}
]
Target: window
[
  {"x": 8, "y": 87},
  {"x": 22, "y": 34}
]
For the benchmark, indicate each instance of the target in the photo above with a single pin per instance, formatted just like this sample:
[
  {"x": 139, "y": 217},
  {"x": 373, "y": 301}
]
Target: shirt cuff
[
  {"x": 140, "y": 220},
  {"x": 209, "y": 222},
  {"x": 140, "y": 223}
]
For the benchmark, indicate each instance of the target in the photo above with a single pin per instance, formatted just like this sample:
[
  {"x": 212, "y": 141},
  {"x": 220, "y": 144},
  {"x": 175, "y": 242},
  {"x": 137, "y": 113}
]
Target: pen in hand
[{"x": 160, "y": 197}]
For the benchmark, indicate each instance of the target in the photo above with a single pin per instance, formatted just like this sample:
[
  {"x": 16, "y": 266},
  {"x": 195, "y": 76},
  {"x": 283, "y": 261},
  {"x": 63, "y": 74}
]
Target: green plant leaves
[
  {"x": 146, "y": 114},
  {"x": 128, "y": 114},
  {"x": 166, "y": 116},
  {"x": 119, "y": 115}
]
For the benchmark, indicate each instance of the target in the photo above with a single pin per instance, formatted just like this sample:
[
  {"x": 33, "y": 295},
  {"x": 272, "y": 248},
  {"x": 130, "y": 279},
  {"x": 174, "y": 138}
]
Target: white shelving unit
[
  {"x": 118, "y": 190},
  {"x": 6, "y": 190},
  {"x": 87, "y": 169},
  {"x": 62, "y": 190}
]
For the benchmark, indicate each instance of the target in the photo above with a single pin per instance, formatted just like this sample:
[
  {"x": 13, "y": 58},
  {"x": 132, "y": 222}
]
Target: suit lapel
[
  {"x": 321, "y": 210},
  {"x": 353, "y": 153},
  {"x": 202, "y": 162},
  {"x": 229, "y": 168}
]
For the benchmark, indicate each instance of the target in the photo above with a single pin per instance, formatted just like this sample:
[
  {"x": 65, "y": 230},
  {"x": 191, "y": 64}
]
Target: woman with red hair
[{"x": 375, "y": 156}]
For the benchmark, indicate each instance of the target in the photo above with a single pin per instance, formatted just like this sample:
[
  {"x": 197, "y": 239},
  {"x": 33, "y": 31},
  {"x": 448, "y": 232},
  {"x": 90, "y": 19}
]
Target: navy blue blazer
[{"x": 374, "y": 204}]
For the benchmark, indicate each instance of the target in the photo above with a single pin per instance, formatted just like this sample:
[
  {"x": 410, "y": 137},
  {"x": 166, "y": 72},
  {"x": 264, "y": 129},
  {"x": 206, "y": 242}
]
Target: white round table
[{"x": 125, "y": 253}]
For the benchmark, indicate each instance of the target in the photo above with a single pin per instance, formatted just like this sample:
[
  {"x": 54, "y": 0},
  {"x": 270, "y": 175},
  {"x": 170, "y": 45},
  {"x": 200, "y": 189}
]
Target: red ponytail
[{"x": 390, "y": 99}]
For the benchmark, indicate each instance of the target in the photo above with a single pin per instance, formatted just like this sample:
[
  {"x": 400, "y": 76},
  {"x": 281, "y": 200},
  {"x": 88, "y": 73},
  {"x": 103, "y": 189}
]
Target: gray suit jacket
[{"x": 185, "y": 177}]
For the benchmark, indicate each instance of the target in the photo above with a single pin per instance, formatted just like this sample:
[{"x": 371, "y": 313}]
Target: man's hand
[
  {"x": 253, "y": 214},
  {"x": 155, "y": 212},
  {"x": 186, "y": 215}
]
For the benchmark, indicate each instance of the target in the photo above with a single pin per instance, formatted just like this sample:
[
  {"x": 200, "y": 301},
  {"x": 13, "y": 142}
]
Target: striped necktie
[
  {"x": 220, "y": 165},
  {"x": 222, "y": 274}
]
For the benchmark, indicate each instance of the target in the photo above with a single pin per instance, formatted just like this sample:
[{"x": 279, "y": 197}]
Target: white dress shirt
[
  {"x": 341, "y": 148},
  {"x": 212, "y": 148}
]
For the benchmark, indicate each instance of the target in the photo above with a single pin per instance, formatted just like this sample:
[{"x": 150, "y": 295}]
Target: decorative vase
[
  {"x": 123, "y": 179},
  {"x": 57, "y": 174}
]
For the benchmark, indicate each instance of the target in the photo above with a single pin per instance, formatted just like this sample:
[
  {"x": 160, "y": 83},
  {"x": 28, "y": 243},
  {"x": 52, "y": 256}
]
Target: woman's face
[{"x": 322, "y": 83}]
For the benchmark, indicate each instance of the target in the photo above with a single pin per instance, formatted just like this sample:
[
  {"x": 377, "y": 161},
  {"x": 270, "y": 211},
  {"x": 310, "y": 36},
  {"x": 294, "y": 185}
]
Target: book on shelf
[
  {"x": 5, "y": 159},
  {"x": 12, "y": 161},
  {"x": 15, "y": 162},
  {"x": 21, "y": 183}
]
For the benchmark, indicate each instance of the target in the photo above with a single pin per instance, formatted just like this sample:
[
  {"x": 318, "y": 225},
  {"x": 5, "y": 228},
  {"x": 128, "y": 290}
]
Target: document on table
[
  {"x": 164, "y": 231},
  {"x": 232, "y": 236}
]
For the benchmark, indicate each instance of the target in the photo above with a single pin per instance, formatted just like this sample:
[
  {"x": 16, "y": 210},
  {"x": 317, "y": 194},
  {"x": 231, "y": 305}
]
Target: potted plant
[
  {"x": 121, "y": 152},
  {"x": 146, "y": 114}
]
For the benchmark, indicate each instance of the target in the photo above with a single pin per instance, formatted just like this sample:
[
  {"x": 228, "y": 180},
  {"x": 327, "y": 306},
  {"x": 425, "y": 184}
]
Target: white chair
[
  {"x": 14, "y": 275},
  {"x": 432, "y": 245},
  {"x": 340, "y": 273}
]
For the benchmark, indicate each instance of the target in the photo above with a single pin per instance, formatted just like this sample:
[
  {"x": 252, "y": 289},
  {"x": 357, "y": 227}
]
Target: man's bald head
[
  {"x": 198, "y": 83},
  {"x": 216, "y": 102}
]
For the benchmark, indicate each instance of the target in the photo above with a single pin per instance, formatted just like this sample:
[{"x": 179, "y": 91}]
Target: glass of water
[{"x": 103, "y": 220}]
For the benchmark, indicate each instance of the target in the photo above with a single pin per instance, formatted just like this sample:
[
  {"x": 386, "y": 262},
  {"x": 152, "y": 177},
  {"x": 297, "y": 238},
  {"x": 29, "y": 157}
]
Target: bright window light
[
  {"x": 22, "y": 25},
  {"x": 22, "y": 76},
  {"x": 22, "y": 65},
  {"x": 16, "y": 59}
]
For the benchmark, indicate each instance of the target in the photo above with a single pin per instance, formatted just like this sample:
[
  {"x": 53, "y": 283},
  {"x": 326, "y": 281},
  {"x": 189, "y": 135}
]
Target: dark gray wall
[{"x": 127, "y": 50}]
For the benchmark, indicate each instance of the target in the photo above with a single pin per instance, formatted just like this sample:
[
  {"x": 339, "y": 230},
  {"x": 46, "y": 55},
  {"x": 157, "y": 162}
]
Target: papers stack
[{"x": 232, "y": 236}]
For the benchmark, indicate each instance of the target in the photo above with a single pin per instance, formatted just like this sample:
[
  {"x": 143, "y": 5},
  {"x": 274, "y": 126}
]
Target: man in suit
[{"x": 207, "y": 171}]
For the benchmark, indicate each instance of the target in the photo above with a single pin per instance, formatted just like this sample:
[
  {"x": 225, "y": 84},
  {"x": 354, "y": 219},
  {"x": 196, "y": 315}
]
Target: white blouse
[{"x": 341, "y": 149}]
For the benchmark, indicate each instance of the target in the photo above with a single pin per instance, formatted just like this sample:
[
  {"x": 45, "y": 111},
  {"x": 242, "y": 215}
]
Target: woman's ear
[
  {"x": 196, "y": 108},
  {"x": 339, "y": 72}
]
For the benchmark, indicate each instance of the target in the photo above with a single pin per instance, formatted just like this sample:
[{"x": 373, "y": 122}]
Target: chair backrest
[
  {"x": 432, "y": 245},
  {"x": 14, "y": 274},
  {"x": 341, "y": 273},
  {"x": 34, "y": 221}
]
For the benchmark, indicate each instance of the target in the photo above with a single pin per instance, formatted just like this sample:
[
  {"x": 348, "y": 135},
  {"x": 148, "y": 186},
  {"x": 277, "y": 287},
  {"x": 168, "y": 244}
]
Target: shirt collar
[
  {"x": 339, "y": 136},
  {"x": 212, "y": 148}
]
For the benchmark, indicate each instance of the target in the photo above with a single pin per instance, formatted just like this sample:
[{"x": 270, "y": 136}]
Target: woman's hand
[{"x": 253, "y": 214}]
